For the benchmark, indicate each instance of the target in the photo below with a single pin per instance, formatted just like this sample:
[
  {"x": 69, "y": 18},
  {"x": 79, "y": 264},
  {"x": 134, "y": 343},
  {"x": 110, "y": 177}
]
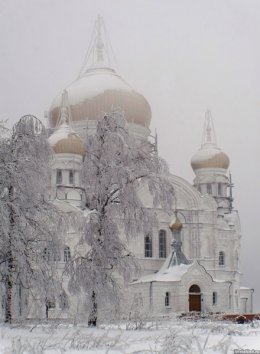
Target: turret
[
  {"x": 177, "y": 255},
  {"x": 68, "y": 150},
  {"x": 210, "y": 166}
]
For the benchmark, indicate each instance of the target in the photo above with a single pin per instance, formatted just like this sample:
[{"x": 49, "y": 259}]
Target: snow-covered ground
[{"x": 165, "y": 337}]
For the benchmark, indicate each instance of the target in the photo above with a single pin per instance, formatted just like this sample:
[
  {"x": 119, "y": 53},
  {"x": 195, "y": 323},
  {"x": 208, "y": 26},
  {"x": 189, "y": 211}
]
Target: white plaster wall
[{"x": 246, "y": 300}]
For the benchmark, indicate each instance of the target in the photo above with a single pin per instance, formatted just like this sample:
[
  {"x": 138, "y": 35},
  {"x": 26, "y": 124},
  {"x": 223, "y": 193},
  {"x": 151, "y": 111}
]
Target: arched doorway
[{"x": 194, "y": 298}]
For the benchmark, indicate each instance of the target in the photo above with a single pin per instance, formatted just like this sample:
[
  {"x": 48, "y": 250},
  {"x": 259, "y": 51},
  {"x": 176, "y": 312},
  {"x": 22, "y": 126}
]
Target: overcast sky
[{"x": 184, "y": 56}]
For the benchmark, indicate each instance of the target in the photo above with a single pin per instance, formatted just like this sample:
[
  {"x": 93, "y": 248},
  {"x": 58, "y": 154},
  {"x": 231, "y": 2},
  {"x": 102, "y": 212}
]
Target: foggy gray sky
[{"x": 184, "y": 56}]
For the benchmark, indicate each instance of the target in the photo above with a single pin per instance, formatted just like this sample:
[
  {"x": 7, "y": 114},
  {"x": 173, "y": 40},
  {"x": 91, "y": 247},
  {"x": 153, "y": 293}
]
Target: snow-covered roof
[
  {"x": 65, "y": 140},
  {"x": 245, "y": 288},
  {"x": 170, "y": 274},
  {"x": 93, "y": 83},
  {"x": 65, "y": 206},
  {"x": 207, "y": 152},
  {"x": 61, "y": 133},
  {"x": 219, "y": 280},
  {"x": 97, "y": 92},
  {"x": 210, "y": 156}
]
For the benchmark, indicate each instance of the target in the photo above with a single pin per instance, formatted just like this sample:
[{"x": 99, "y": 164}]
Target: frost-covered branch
[
  {"x": 116, "y": 167},
  {"x": 28, "y": 221}
]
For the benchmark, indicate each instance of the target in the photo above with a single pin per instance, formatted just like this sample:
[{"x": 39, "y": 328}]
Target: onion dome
[
  {"x": 209, "y": 155},
  {"x": 64, "y": 140},
  {"x": 98, "y": 92},
  {"x": 176, "y": 224},
  {"x": 99, "y": 89}
]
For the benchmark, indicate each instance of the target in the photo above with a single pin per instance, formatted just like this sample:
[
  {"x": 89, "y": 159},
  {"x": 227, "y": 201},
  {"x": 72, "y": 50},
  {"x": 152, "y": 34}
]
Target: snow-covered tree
[
  {"x": 116, "y": 166},
  {"x": 28, "y": 222}
]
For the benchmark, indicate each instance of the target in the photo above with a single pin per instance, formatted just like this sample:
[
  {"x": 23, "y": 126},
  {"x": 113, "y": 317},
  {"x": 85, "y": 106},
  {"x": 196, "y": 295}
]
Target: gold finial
[{"x": 176, "y": 225}]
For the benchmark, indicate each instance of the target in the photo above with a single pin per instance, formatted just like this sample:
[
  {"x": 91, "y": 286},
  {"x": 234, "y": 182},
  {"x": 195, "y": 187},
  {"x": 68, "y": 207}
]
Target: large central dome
[
  {"x": 97, "y": 92},
  {"x": 99, "y": 89}
]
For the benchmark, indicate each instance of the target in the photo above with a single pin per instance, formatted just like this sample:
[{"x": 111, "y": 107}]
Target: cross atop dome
[
  {"x": 64, "y": 118},
  {"x": 209, "y": 136},
  {"x": 99, "y": 43},
  {"x": 99, "y": 51}
]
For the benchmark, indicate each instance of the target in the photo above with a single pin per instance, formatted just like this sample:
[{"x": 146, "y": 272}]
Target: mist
[{"x": 184, "y": 56}]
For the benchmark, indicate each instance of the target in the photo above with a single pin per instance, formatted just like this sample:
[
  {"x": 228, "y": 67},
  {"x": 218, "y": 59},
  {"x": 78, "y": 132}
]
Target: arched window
[
  {"x": 71, "y": 177},
  {"x": 194, "y": 289},
  {"x": 167, "y": 299},
  {"x": 221, "y": 258},
  {"x": 162, "y": 244},
  {"x": 59, "y": 177},
  {"x": 67, "y": 254},
  {"x": 209, "y": 188},
  {"x": 214, "y": 298},
  {"x": 148, "y": 246}
]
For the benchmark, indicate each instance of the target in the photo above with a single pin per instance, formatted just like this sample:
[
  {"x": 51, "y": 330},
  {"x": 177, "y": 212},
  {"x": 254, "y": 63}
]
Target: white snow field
[{"x": 172, "y": 336}]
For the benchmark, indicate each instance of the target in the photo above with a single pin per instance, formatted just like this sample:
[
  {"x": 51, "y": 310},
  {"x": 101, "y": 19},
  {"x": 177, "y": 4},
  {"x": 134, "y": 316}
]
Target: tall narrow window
[
  {"x": 59, "y": 177},
  {"x": 167, "y": 299},
  {"x": 219, "y": 189},
  {"x": 67, "y": 254},
  {"x": 148, "y": 246},
  {"x": 71, "y": 177},
  {"x": 162, "y": 244},
  {"x": 221, "y": 258},
  {"x": 214, "y": 298},
  {"x": 209, "y": 188}
]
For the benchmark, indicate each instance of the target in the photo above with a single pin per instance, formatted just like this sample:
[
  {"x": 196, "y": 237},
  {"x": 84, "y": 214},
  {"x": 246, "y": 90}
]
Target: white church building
[{"x": 192, "y": 261}]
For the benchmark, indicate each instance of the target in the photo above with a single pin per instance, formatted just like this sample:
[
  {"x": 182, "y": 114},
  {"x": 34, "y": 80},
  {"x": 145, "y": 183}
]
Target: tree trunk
[
  {"x": 10, "y": 264},
  {"x": 9, "y": 289},
  {"x": 92, "y": 319}
]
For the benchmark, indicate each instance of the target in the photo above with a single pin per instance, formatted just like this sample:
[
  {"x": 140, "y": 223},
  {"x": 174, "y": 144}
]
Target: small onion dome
[
  {"x": 97, "y": 92},
  {"x": 66, "y": 141},
  {"x": 209, "y": 157},
  {"x": 176, "y": 225}
]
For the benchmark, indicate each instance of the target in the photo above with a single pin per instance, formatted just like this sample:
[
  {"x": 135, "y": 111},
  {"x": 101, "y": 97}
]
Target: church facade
[{"x": 192, "y": 261}]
